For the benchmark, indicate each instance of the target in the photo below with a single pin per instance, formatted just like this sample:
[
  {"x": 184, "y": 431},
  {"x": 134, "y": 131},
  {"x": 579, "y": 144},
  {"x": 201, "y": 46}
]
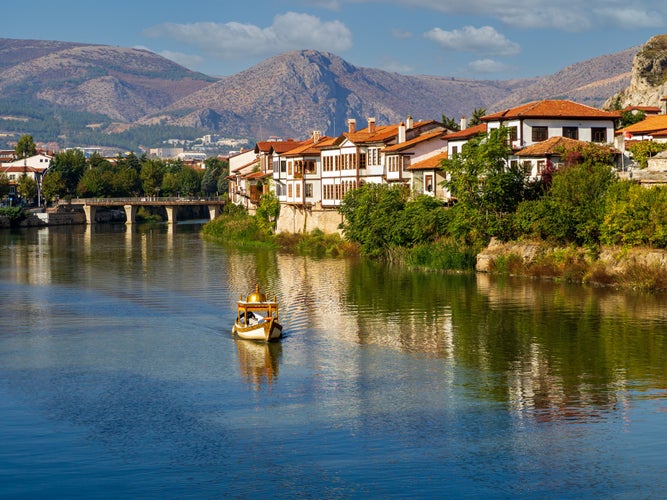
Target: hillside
[{"x": 82, "y": 93}]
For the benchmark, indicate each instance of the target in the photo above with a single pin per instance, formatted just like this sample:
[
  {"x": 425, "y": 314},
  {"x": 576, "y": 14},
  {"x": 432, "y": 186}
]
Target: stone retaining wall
[{"x": 294, "y": 219}]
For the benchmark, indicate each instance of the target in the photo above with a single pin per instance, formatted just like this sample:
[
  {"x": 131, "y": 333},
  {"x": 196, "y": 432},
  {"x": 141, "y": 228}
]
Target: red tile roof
[
  {"x": 466, "y": 133},
  {"x": 408, "y": 144},
  {"x": 429, "y": 163},
  {"x": 310, "y": 147},
  {"x": 552, "y": 109},
  {"x": 651, "y": 125}
]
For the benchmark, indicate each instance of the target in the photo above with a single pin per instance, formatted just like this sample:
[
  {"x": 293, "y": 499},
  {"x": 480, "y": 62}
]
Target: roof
[
  {"x": 382, "y": 133},
  {"x": 277, "y": 146},
  {"x": 651, "y": 125},
  {"x": 408, "y": 144},
  {"x": 429, "y": 163},
  {"x": 310, "y": 147},
  {"x": 552, "y": 109},
  {"x": 553, "y": 146},
  {"x": 548, "y": 147},
  {"x": 467, "y": 133},
  {"x": 253, "y": 162}
]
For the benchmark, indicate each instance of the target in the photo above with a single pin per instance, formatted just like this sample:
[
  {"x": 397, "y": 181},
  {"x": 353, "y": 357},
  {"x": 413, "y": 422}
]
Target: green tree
[
  {"x": 152, "y": 171},
  {"x": 189, "y": 181},
  {"x": 215, "y": 167},
  {"x": 450, "y": 123},
  {"x": 53, "y": 185},
  {"x": 477, "y": 115},
  {"x": 267, "y": 212},
  {"x": 487, "y": 186},
  {"x": 643, "y": 150},
  {"x": 372, "y": 216},
  {"x": 4, "y": 185},
  {"x": 27, "y": 188},
  {"x": 71, "y": 164},
  {"x": 25, "y": 147}
]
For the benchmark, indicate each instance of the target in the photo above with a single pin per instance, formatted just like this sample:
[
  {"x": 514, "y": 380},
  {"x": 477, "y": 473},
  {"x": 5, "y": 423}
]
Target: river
[{"x": 119, "y": 377}]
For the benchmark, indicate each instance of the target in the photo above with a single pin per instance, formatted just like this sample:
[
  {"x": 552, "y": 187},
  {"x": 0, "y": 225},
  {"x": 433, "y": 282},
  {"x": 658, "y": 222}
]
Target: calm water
[{"x": 119, "y": 377}]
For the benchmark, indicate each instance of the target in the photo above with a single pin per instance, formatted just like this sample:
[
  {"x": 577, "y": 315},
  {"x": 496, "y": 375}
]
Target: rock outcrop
[{"x": 648, "y": 84}]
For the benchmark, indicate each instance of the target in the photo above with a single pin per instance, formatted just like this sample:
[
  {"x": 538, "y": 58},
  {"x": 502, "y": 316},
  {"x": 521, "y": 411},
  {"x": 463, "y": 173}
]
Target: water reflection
[{"x": 259, "y": 361}]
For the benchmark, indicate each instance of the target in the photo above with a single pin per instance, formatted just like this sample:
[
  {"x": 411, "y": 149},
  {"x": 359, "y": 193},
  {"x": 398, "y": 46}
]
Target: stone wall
[{"x": 294, "y": 219}]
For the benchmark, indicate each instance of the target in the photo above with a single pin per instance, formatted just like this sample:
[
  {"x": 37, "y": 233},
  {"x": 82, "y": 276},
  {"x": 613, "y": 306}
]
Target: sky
[{"x": 479, "y": 39}]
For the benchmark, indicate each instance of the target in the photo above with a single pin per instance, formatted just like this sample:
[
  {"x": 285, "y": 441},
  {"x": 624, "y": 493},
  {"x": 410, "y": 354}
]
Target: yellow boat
[{"x": 257, "y": 318}]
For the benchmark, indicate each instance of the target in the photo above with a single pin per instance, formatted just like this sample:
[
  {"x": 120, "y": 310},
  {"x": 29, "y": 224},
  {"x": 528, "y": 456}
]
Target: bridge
[{"x": 131, "y": 205}]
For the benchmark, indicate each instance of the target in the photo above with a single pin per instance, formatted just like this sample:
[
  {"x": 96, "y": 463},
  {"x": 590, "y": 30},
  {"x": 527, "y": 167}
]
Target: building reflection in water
[{"x": 259, "y": 361}]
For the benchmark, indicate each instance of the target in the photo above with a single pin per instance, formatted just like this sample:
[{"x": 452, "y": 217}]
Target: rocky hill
[
  {"x": 648, "y": 84},
  {"x": 56, "y": 88}
]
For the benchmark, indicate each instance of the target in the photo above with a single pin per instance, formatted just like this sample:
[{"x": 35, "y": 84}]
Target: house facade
[{"x": 34, "y": 167}]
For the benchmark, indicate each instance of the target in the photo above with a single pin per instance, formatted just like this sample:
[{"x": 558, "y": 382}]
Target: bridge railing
[{"x": 140, "y": 199}]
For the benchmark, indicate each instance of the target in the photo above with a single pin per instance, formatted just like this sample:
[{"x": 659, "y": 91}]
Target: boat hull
[{"x": 266, "y": 331}]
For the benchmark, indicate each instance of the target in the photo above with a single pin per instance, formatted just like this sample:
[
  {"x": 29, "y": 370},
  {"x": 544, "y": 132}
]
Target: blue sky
[{"x": 481, "y": 39}]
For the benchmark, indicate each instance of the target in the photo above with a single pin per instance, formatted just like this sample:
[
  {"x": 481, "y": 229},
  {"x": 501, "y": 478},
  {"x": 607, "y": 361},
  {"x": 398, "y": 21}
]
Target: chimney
[
  {"x": 464, "y": 123},
  {"x": 316, "y": 136},
  {"x": 371, "y": 125},
  {"x": 351, "y": 125},
  {"x": 409, "y": 123},
  {"x": 401, "y": 133}
]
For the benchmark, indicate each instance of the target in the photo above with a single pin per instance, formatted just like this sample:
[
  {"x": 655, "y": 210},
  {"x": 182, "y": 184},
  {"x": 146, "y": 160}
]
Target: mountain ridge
[{"x": 69, "y": 85}]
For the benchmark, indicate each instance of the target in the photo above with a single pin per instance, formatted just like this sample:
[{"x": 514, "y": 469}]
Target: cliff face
[{"x": 648, "y": 83}]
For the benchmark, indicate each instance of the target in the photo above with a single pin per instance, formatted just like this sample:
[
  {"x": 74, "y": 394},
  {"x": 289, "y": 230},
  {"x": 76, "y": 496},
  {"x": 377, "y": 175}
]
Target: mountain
[
  {"x": 296, "y": 92},
  {"x": 648, "y": 85},
  {"x": 74, "y": 93}
]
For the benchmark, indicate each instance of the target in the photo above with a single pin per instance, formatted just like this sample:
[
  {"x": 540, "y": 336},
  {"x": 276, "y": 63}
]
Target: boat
[{"x": 257, "y": 318}]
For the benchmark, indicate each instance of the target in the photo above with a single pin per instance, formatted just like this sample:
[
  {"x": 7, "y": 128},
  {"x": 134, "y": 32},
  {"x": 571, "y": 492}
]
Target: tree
[
  {"x": 151, "y": 175},
  {"x": 488, "y": 188},
  {"x": 189, "y": 181},
  {"x": 53, "y": 185},
  {"x": 25, "y": 147},
  {"x": 27, "y": 188},
  {"x": 450, "y": 123},
  {"x": 214, "y": 169},
  {"x": 476, "y": 117},
  {"x": 71, "y": 164},
  {"x": 4, "y": 185},
  {"x": 268, "y": 211}
]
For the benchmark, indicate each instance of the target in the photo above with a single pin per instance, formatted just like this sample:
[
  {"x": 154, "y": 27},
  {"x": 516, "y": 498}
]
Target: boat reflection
[{"x": 258, "y": 362}]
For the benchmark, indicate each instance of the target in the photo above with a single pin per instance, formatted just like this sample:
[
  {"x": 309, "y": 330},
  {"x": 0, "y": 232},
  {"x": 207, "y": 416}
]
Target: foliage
[
  {"x": 573, "y": 209},
  {"x": 4, "y": 185},
  {"x": 71, "y": 165},
  {"x": 476, "y": 117},
  {"x": 53, "y": 185},
  {"x": 443, "y": 254},
  {"x": 26, "y": 188},
  {"x": 268, "y": 211},
  {"x": 215, "y": 170},
  {"x": 630, "y": 118},
  {"x": 152, "y": 172},
  {"x": 372, "y": 217},
  {"x": 317, "y": 244},
  {"x": 488, "y": 188},
  {"x": 15, "y": 214},
  {"x": 643, "y": 150},
  {"x": 25, "y": 147},
  {"x": 236, "y": 226},
  {"x": 635, "y": 216},
  {"x": 450, "y": 123}
]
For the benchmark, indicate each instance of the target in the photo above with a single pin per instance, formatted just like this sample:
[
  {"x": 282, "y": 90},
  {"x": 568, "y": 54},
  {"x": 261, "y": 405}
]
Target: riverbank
[{"x": 636, "y": 268}]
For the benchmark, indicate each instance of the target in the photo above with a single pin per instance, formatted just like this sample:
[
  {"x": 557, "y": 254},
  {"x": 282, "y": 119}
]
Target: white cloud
[
  {"x": 233, "y": 40},
  {"x": 629, "y": 18},
  {"x": 564, "y": 15},
  {"x": 188, "y": 60},
  {"x": 484, "y": 40},
  {"x": 487, "y": 66}
]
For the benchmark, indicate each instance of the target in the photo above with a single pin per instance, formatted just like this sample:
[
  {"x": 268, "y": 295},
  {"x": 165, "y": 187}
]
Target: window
[
  {"x": 428, "y": 181},
  {"x": 455, "y": 150},
  {"x": 599, "y": 134},
  {"x": 513, "y": 134},
  {"x": 540, "y": 134},
  {"x": 283, "y": 166},
  {"x": 308, "y": 190},
  {"x": 289, "y": 168},
  {"x": 571, "y": 132},
  {"x": 298, "y": 190},
  {"x": 289, "y": 190},
  {"x": 541, "y": 164}
]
